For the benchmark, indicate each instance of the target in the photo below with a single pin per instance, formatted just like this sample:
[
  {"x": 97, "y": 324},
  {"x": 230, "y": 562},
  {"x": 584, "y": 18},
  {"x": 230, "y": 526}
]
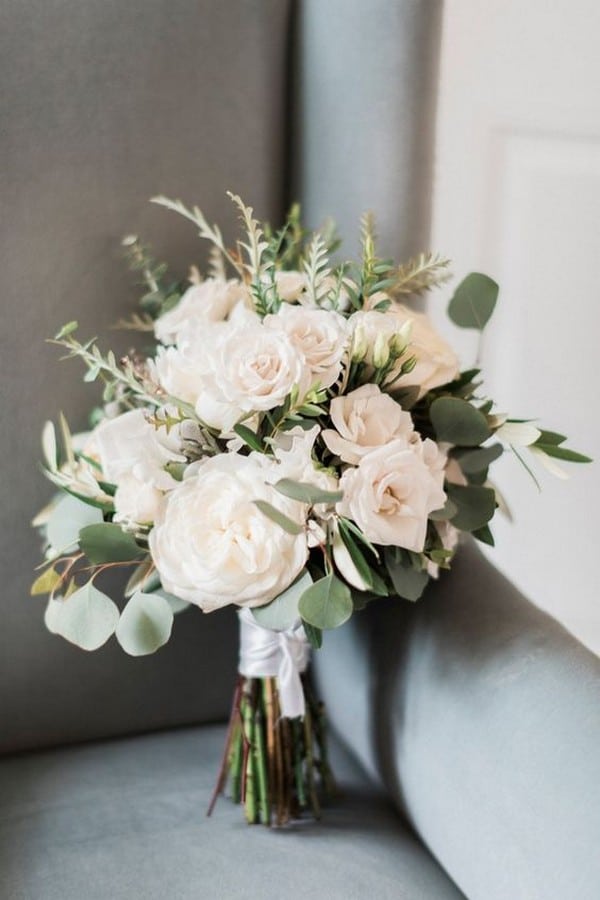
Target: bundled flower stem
[{"x": 277, "y": 768}]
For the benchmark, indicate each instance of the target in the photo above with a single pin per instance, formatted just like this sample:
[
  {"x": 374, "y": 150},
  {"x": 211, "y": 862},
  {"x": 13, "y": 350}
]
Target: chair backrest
[{"x": 103, "y": 106}]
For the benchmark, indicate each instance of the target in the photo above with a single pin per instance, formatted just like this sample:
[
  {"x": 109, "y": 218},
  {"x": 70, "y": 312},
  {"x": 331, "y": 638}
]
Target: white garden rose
[
  {"x": 392, "y": 491},
  {"x": 179, "y": 371},
  {"x": 251, "y": 368},
  {"x": 290, "y": 285},
  {"x": 210, "y": 301},
  {"x": 137, "y": 502},
  {"x": 365, "y": 419},
  {"x": 320, "y": 335},
  {"x": 133, "y": 455},
  {"x": 213, "y": 546}
]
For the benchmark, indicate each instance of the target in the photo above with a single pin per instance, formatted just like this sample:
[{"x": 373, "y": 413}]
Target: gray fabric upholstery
[
  {"x": 365, "y": 113},
  {"x": 126, "y": 820},
  {"x": 104, "y": 105},
  {"x": 485, "y": 724}
]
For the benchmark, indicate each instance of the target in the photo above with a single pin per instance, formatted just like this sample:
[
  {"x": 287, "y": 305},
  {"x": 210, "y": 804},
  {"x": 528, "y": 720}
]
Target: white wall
[{"x": 517, "y": 195}]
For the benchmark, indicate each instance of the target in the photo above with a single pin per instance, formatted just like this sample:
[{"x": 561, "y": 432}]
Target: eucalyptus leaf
[
  {"x": 282, "y": 612},
  {"x": 87, "y": 618},
  {"x": 409, "y": 582},
  {"x": 457, "y": 422},
  {"x": 267, "y": 509},
  {"x": 145, "y": 624},
  {"x": 327, "y": 603},
  {"x": 473, "y": 302},
  {"x": 143, "y": 578},
  {"x": 306, "y": 493},
  {"x": 67, "y": 519},
  {"x": 314, "y": 636},
  {"x": 475, "y": 505},
  {"x": 46, "y": 582},
  {"x": 176, "y": 603},
  {"x": 108, "y": 542},
  {"x": 476, "y": 460},
  {"x": 445, "y": 513},
  {"x": 484, "y": 535}
]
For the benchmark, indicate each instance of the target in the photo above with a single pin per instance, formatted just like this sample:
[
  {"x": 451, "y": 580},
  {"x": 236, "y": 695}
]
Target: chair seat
[{"x": 126, "y": 819}]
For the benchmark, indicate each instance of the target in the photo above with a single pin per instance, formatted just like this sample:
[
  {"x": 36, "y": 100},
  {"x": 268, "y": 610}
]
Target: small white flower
[
  {"x": 212, "y": 545},
  {"x": 519, "y": 434}
]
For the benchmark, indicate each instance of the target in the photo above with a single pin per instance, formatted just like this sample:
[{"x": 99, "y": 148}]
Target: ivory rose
[
  {"x": 133, "y": 455},
  {"x": 320, "y": 335},
  {"x": 392, "y": 491},
  {"x": 210, "y": 301},
  {"x": 365, "y": 419},
  {"x": 213, "y": 546},
  {"x": 249, "y": 368}
]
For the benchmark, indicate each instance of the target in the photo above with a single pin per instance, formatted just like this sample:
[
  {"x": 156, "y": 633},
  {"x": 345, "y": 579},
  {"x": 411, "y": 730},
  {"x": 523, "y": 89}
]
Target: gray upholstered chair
[{"x": 467, "y": 726}]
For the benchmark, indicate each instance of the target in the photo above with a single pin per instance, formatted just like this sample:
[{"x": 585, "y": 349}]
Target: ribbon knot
[{"x": 281, "y": 654}]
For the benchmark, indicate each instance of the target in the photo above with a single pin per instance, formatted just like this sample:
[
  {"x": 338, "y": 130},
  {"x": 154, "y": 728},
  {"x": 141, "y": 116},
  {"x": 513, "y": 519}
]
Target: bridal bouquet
[{"x": 296, "y": 442}]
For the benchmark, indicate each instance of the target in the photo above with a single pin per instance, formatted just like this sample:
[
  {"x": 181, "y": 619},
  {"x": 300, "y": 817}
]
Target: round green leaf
[
  {"x": 108, "y": 543},
  {"x": 282, "y": 612},
  {"x": 456, "y": 421},
  {"x": 66, "y": 520},
  {"x": 145, "y": 624},
  {"x": 87, "y": 618},
  {"x": 475, "y": 505},
  {"x": 176, "y": 603},
  {"x": 473, "y": 302},
  {"x": 327, "y": 603}
]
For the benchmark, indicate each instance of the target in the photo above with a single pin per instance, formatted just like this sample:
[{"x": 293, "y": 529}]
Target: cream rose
[
  {"x": 365, "y": 419},
  {"x": 392, "y": 491},
  {"x": 320, "y": 335},
  {"x": 212, "y": 545},
  {"x": 251, "y": 368},
  {"x": 210, "y": 301},
  {"x": 133, "y": 455},
  {"x": 290, "y": 285}
]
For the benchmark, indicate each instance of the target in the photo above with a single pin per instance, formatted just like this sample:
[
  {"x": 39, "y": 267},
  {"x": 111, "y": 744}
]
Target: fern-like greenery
[{"x": 421, "y": 273}]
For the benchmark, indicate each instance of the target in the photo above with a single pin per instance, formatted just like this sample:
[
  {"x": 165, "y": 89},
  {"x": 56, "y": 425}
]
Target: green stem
[
  {"x": 250, "y": 792},
  {"x": 260, "y": 764}
]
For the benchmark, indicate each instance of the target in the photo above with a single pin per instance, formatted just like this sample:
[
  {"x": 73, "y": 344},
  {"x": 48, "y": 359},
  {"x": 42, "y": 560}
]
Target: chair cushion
[{"x": 126, "y": 819}]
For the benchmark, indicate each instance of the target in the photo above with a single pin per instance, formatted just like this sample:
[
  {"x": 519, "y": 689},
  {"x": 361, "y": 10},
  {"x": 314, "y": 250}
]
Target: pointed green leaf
[
  {"x": 327, "y": 603},
  {"x": 108, "y": 542},
  {"x": 249, "y": 437},
  {"x": 46, "y": 582},
  {"x": 473, "y": 302},
  {"x": 278, "y": 517},
  {"x": 306, "y": 493}
]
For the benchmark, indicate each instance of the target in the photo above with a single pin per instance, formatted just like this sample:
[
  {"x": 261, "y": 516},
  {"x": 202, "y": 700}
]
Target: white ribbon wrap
[{"x": 280, "y": 654}]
